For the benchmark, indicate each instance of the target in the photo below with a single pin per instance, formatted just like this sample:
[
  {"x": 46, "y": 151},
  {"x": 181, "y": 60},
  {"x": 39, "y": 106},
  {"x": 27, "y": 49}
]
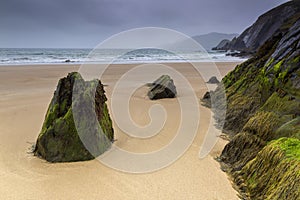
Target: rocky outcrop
[
  {"x": 162, "y": 88},
  {"x": 213, "y": 80},
  {"x": 206, "y": 99},
  {"x": 263, "y": 29},
  {"x": 207, "y": 41},
  {"x": 61, "y": 139},
  {"x": 262, "y": 119},
  {"x": 210, "y": 40},
  {"x": 222, "y": 45}
]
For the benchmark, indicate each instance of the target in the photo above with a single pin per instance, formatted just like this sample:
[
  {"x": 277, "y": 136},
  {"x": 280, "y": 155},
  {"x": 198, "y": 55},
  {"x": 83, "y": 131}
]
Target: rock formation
[
  {"x": 263, "y": 29},
  {"x": 61, "y": 139},
  {"x": 213, "y": 80},
  {"x": 263, "y": 112},
  {"x": 163, "y": 87},
  {"x": 222, "y": 45}
]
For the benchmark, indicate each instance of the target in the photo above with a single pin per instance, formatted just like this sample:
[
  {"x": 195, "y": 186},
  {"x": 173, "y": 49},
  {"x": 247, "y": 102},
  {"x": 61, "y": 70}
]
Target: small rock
[
  {"x": 213, "y": 80},
  {"x": 206, "y": 95},
  {"x": 163, "y": 87}
]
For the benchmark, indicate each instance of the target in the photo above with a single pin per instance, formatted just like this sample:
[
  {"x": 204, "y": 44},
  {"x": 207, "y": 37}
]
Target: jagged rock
[
  {"x": 61, "y": 139},
  {"x": 240, "y": 54},
  {"x": 285, "y": 46},
  {"x": 163, "y": 87},
  {"x": 206, "y": 99},
  {"x": 251, "y": 144},
  {"x": 207, "y": 41},
  {"x": 263, "y": 105},
  {"x": 206, "y": 96},
  {"x": 264, "y": 28},
  {"x": 213, "y": 80},
  {"x": 266, "y": 84},
  {"x": 222, "y": 45}
]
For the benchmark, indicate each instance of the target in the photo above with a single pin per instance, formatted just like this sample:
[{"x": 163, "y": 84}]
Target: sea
[{"x": 20, "y": 56}]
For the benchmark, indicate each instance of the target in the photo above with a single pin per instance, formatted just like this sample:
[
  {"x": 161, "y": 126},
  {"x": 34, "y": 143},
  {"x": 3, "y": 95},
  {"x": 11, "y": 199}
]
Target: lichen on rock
[{"x": 63, "y": 139}]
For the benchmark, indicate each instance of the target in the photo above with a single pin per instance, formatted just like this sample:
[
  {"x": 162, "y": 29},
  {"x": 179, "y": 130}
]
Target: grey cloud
[{"x": 71, "y": 23}]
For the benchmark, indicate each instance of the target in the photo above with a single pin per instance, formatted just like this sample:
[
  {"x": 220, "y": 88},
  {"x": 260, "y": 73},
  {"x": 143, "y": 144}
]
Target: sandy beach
[{"x": 25, "y": 93}]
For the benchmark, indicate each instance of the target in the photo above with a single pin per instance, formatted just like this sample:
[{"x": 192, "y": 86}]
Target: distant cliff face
[
  {"x": 263, "y": 116},
  {"x": 222, "y": 45},
  {"x": 207, "y": 41},
  {"x": 210, "y": 40},
  {"x": 262, "y": 30}
]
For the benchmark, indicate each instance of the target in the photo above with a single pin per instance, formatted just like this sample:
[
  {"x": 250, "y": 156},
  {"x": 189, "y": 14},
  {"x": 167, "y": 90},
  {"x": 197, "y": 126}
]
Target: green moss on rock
[
  {"x": 290, "y": 146},
  {"x": 263, "y": 124},
  {"x": 263, "y": 108},
  {"x": 287, "y": 104},
  {"x": 290, "y": 129},
  {"x": 277, "y": 66},
  {"x": 242, "y": 148},
  {"x": 61, "y": 139},
  {"x": 275, "y": 172}
]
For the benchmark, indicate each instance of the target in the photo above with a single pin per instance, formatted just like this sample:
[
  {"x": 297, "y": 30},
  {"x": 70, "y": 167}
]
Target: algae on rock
[
  {"x": 62, "y": 139},
  {"x": 274, "y": 174},
  {"x": 263, "y": 107}
]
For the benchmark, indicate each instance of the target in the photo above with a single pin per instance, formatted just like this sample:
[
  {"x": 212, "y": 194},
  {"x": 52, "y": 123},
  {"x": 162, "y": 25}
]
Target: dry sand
[{"x": 25, "y": 92}]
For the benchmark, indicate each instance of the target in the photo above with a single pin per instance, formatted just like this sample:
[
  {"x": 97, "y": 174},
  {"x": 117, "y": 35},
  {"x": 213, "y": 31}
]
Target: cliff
[
  {"x": 263, "y": 116},
  {"x": 263, "y": 29},
  {"x": 210, "y": 40},
  {"x": 222, "y": 45}
]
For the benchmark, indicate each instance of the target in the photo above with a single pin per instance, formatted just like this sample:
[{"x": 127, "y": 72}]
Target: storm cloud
[{"x": 78, "y": 23}]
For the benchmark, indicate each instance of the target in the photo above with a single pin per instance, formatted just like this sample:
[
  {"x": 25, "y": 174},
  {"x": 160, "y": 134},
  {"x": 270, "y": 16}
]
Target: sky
[{"x": 86, "y": 23}]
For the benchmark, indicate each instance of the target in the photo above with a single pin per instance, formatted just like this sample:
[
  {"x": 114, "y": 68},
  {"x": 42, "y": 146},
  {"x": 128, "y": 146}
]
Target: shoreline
[{"x": 241, "y": 60}]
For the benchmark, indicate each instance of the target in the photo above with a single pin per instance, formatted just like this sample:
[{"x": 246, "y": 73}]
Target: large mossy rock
[
  {"x": 61, "y": 138},
  {"x": 263, "y": 106},
  {"x": 162, "y": 88}
]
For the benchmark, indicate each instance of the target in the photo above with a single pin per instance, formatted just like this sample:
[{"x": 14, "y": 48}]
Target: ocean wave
[
  {"x": 18, "y": 59},
  {"x": 56, "y": 56}
]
